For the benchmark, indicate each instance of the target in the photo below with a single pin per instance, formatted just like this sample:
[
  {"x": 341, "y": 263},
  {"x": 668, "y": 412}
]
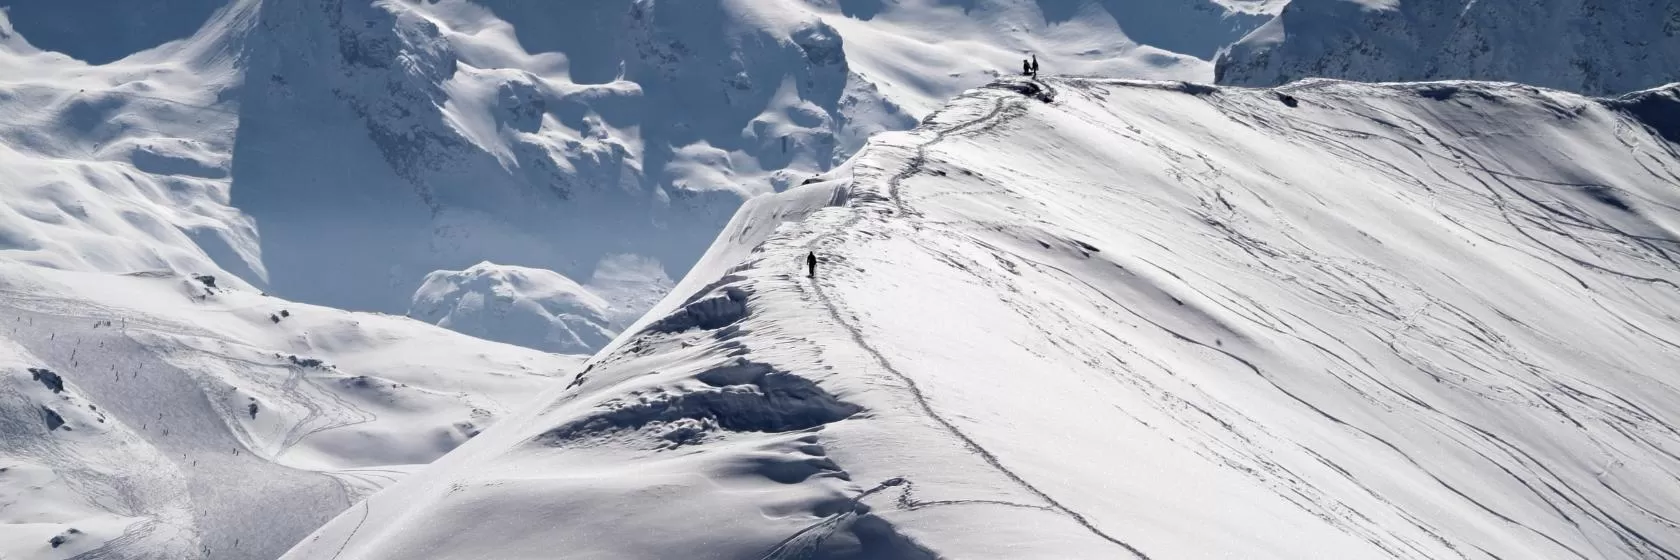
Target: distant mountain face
[
  {"x": 1589, "y": 46},
  {"x": 533, "y": 308}
]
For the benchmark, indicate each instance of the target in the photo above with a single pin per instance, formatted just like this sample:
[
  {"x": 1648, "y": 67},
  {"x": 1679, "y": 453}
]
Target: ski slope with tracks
[
  {"x": 154, "y": 416},
  {"x": 1150, "y": 320}
]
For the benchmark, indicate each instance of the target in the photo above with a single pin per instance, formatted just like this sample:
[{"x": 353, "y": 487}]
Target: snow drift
[{"x": 1107, "y": 319}]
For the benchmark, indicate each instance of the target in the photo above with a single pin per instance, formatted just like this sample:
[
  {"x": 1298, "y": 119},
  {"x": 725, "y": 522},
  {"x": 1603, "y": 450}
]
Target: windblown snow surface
[{"x": 1141, "y": 320}]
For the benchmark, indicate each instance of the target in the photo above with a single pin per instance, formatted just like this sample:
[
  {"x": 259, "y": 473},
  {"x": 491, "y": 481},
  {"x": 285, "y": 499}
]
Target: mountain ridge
[{"x": 1376, "y": 388}]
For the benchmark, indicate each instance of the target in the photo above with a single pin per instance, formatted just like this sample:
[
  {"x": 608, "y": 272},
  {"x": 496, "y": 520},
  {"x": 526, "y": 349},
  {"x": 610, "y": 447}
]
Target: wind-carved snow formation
[
  {"x": 1598, "y": 47},
  {"x": 1108, "y": 319}
]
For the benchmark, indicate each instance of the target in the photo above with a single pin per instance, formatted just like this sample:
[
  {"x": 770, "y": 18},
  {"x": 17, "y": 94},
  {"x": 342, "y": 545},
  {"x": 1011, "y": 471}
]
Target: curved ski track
[{"x": 912, "y": 167}]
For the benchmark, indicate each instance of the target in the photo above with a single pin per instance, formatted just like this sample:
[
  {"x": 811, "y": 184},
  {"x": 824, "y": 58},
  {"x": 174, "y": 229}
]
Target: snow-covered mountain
[
  {"x": 163, "y": 164},
  {"x": 339, "y": 151},
  {"x": 533, "y": 308},
  {"x": 1590, "y": 46},
  {"x": 155, "y": 404},
  {"x": 1144, "y": 319}
]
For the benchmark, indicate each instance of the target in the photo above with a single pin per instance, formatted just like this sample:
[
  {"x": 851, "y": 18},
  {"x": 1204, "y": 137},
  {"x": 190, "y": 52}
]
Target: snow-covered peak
[
  {"x": 530, "y": 307},
  {"x": 1142, "y": 319},
  {"x": 1589, "y": 46}
]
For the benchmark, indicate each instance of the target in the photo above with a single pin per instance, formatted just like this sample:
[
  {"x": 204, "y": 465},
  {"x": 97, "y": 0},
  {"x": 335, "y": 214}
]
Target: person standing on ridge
[
  {"x": 811, "y": 263},
  {"x": 1035, "y": 66}
]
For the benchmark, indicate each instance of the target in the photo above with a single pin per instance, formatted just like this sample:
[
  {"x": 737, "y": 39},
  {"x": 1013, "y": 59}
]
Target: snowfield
[
  {"x": 369, "y": 155},
  {"x": 1076, "y": 318},
  {"x": 153, "y": 416},
  {"x": 1144, "y": 319}
]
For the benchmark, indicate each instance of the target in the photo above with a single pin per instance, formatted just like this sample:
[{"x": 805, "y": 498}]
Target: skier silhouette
[{"x": 811, "y": 262}]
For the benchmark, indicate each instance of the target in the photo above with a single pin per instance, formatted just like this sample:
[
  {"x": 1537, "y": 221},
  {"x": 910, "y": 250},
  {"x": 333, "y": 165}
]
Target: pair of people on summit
[{"x": 1028, "y": 68}]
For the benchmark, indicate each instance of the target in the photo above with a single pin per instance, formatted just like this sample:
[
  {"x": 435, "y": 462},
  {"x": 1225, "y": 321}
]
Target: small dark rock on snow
[
  {"x": 48, "y": 378},
  {"x": 61, "y": 538},
  {"x": 306, "y": 362},
  {"x": 53, "y": 420}
]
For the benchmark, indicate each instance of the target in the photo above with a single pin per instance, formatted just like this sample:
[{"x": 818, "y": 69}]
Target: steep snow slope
[
  {"x": 1146, "y": 319},
  {"x": 1589, "y": 46},
  {"x": 339, "y": 151},
  {"x": 152, "y": 416}
]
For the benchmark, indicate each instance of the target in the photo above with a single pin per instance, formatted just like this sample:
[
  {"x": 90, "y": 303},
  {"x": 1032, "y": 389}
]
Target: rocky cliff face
[{"x": 1588, "y": 46}]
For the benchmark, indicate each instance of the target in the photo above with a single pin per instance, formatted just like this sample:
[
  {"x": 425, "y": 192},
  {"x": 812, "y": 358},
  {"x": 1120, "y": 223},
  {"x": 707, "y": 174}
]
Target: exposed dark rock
[
  {"x": 48, "y": 378},
  {"x": 53, "y": 420},
  {"x": 305, "y": 362},
  {"x": 748, "y": 397}
]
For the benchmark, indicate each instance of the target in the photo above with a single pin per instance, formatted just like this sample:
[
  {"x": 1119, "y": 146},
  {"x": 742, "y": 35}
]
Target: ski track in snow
[
  {"x": 1299, "y": 383},
  {"x": 912, "y": 167},
  {"x": 1553, "y": 223}
]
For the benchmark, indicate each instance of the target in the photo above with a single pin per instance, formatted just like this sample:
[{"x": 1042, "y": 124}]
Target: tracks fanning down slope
[{"x": 1000, "y": 109}]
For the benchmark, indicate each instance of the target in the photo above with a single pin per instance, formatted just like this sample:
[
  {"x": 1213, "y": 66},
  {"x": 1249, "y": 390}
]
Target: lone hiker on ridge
[{"x": 811, "y": 262}]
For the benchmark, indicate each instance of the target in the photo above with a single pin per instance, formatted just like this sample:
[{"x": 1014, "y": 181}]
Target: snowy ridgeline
[
  {"x": 339, "y": 151},
  {"x": 1146, "y": 319},
  {"x": 1600, "y": 47}
]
